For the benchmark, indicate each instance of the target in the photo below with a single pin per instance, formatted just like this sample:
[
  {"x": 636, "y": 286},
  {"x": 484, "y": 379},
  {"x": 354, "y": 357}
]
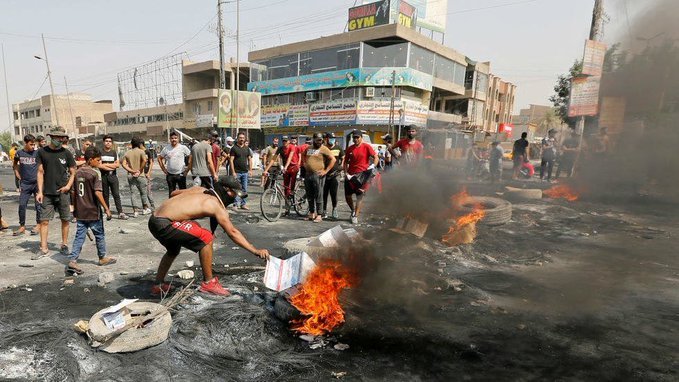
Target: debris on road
[
  {"x": 105, "y": 278},
  {"x": 185, "y": 274}
]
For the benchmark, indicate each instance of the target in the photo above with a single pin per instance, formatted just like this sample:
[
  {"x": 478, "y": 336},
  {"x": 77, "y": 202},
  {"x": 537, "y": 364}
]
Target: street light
[{"x": 49, "y": 76}]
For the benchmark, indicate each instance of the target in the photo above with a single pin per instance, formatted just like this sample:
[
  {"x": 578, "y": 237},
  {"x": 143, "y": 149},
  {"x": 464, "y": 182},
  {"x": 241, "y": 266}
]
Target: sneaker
[
  {"x": 146, "y": 211},
  {"x": 324, "y": 215},
  {"x": 107, "y": 261},
  {"x": 354, "y": 218},
  {"x": 214, "y": 287},
  {"x": 159, "y": 289},
  {"x": 122, "y": 216},
  {"x": 40, "y": 254},
  {"x": 64, "y": 250},
  {"x": 334, "y": 214}
]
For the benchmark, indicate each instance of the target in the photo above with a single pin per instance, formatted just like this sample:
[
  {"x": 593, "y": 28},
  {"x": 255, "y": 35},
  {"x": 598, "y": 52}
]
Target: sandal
[
  {"x": 18, "y": 232},
  {"x": 74, "y": 268},
  {"x": 318, "y": 219},
  {"x": 40, "y": 254}
]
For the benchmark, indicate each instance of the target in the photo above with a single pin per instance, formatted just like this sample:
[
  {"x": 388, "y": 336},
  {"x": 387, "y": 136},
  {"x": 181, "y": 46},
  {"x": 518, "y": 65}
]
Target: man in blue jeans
[
  {"x": 89, "y": 196},
  {"x": 26, "y": 170},
  {"x": 240, "y": 160}
]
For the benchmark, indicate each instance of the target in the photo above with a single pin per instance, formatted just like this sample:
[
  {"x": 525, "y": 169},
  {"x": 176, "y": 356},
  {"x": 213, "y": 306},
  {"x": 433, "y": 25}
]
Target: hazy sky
[{"x": 528, "y": 43}]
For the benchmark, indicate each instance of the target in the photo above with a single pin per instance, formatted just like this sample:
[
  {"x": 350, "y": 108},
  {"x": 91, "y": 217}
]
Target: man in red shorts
[
  {"x": 358, "y": 158},
  {"x": 173, "y": 225}
]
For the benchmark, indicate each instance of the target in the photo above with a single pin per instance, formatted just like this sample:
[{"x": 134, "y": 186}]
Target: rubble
[
  {"x": 105, "y": 278},
  {"x": 185, "y": 274}
]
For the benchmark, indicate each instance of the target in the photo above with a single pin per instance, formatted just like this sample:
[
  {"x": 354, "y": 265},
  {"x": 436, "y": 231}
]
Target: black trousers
[
  {"x": 111, "y": 186},
  {"x": 330, "y": 187},
  {"x": 175, "y": 181},
  {"x": 314, "y": 192},
  {"x": 548, "y": 165}
]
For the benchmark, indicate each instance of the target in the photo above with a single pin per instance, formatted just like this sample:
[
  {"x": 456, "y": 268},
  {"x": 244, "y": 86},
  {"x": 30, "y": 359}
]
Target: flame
[
  {"x": 464, "y": 229},
  {"x": 562, "y": 191},
  {"x": 318, "y": 298}
]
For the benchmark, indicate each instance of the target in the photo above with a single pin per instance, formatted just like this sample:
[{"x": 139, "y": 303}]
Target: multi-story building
[
  {"x": 349, "y": 80},
  {"x": 74, "y": 112},
  {"x": 195, "y": 116},
  {"x": 499, "y": 104}
]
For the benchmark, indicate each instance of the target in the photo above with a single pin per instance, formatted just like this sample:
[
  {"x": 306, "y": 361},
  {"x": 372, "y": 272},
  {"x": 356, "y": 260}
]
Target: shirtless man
[{"x": 173, "y": 225}]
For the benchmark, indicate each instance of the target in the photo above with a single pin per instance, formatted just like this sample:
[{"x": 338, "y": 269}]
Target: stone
[
  {"x": 105, "y": 278},
  {"x": 338, "y": 374},
  {"x": 341, "y": 346},
  {"x": 124, "y": 231},
  {"x": 69, "y": 282},
  {"x": 124, "y": 273},
  {"x": 189, "y": 263},
  {"x": 185, "y": 274},
  {"x": 86, "y": 290},
  {"x": 307, "y": 337}
]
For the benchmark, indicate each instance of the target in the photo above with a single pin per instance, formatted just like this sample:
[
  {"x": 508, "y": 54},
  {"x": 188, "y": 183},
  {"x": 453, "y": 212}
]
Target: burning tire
[
  {"x": 284, "y": 310},
  {"x": 497, "y": 211}
]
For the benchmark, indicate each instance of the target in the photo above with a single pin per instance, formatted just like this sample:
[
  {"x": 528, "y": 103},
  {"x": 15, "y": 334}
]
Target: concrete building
[
  {"x": 344, "y": 81},
  {"x": 195, "y": 116},
  {"x": 75, "y": 111},
  {"x": 532, "y": 119},
  {"x": 499, "y": 104}
]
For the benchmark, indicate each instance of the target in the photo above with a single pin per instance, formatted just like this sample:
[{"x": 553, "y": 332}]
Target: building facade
[
  {"x": 369, "y": 79},
  {"x": 499, "y": 104},
  {"x": 75, "y": 112}
]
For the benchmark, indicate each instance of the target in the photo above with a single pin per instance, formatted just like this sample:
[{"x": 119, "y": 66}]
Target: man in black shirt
[
  {"x": 240, "y": 161},
  {"x": 520, "y": 154},
  {"x": 109, "y": 177},
  {"x": 150, "y": 158},
  {"x": 56, "y": 171},
  {"x": 332, "y": 177}
]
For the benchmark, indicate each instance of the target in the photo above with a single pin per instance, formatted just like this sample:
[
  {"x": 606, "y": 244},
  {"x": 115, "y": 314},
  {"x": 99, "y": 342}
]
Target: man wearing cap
[
  {"x": 56, "y": 172},
  {"x": 359, "y": 157},
  {"x": 270, "y": 154},
  {"x": 174, "y": 225},
  {"x": 318, "y": 161},
  {"x": 226, "y": 154},
  {"x": 410, "y": 150},
  {"x": 332, "y": 177},
  {"x": 172, "y": 162}
]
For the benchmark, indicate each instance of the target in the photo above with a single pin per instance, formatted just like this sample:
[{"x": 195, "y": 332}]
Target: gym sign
[{"x": 369, "y": 15}]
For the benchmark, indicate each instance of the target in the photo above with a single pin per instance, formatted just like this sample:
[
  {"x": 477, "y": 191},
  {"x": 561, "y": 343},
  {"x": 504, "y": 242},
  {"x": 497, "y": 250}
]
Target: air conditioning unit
[
  {"x": 369, "y": 92},
  {"x": 310, "y": 97}
]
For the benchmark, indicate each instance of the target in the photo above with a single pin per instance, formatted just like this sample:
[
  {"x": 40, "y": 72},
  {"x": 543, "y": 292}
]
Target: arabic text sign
[
  {"x": 341, "y": 112},
  {"x": 584, "y": 99},
  {"x": 593, "y": 59}
]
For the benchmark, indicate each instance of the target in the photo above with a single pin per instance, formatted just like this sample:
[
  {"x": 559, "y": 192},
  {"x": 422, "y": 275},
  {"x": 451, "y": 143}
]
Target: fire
[
  {"x": 318, "y": 298},
  {"x": 562, "y": 191},
  {"x": 464, "y": 229}
]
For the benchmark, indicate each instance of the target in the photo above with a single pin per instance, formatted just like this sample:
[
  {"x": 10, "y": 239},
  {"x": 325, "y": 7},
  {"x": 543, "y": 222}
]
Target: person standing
[
  {"x": 80, "y": 154},
  {"x": 109, "y": 176},
  {"x": 495, "y": 165},
  {"x": 318, "y": 161},
  {"x": 271, "y": 160},
  {"x": 56, "y": 171},
  {"x": 12, "y": 152},
  {"x": 40, "y": 140},
  {"x": 548, "y": 155},
  {"x": 240, "y": 159},
  {"x": 26, "y": 170},
  {"x": 569, "y": 153},
  {"x": 331, "y": 185},
  {"x": 359, "y": 157},
  {"x": 388, "y": 149},
  {"x": 410, "y": 150},
  {"x": 88, "y": 198},
  {"x": 520, "y": 154},
  {"x": 291, "y": 158},
  {"x": 200, "y": 164},
  {"x": 148, "y": 167},
  {"x": 226, "y": 152},
  {"x": 216, "y": 151},
  {"x": 172, "y": 162},
  {"x": 134, "y": 162}
]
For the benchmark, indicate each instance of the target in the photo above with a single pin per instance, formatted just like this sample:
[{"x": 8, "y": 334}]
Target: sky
[{"x": 528, "y": 42}]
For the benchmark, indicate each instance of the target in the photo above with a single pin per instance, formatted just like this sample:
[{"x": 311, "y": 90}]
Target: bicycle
[{"x": 273, "y": 199}]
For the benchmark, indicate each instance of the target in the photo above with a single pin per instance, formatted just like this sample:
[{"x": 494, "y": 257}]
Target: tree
[
  {"x": 562, "y": 90},
  {"x": 6, "y": 140},
  {"x": 551, "y": 120}
]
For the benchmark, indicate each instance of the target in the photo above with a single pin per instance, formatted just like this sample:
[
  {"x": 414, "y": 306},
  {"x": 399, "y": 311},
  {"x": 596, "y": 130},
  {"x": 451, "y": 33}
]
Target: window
[
  {"x": 421, "y": 59},
  {"x": 445, "y": 69},
  {"x": 330, "y": 59},
  {"x": 209, "y": 105},
  {"x": 258, "y": 71},
  {"x": 283, "y": 67},
  {"x": 196, "y": 108},
  {"x": 460, "y": 71},
  {"x": 37, "y": 112},
  {"x": 381, "y": 56}
]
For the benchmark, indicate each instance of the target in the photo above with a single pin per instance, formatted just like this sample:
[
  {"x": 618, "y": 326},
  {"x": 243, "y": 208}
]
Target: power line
[{"x": 491, "y": 7}]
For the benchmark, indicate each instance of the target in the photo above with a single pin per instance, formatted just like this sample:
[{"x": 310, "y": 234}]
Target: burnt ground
[{"x": 566, "y": 291}]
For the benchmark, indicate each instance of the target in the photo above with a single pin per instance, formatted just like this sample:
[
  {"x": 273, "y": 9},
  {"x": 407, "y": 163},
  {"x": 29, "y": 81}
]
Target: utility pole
[
  {"x": 70, "y": 108},
  {"x": 391, "y": 107},
  {"x": 221, "y": 45},
  {"x": 9, "y": 109},
  {"x": 237, "y": 65},
  {"x": 53, "y": 105}
]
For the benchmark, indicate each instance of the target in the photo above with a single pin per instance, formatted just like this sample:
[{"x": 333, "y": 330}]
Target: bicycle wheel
[
  {"x": 271, "y": 204},
  {"x": 301, "y": 204}
]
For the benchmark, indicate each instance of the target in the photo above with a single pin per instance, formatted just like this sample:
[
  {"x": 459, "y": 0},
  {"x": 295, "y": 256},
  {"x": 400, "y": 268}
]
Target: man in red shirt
[
  {"x": 290, "y": 156},
  {"x": 216, "y": 150},
  {"x": 410, "y": 150},
  {"x": 358, "y": 158}
]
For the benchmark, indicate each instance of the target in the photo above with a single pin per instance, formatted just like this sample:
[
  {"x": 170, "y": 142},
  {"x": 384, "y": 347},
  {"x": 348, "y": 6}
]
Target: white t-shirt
[{"x": 174, "y": 158}]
